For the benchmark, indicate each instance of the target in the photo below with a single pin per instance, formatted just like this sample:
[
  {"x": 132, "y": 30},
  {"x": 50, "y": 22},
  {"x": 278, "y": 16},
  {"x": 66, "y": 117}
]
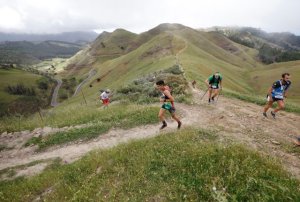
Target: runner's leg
[
  {"x": 216, "y": 92},
  {"x": 268, "y": 105},
  {"x": 209, "y": 93},
  {"x": 280, "y": 106}
]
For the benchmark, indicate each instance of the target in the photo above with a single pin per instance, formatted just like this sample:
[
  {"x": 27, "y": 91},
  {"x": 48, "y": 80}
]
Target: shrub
[
  {"x": 20, "y": 89},
  {"x": 43, "y": 84}
]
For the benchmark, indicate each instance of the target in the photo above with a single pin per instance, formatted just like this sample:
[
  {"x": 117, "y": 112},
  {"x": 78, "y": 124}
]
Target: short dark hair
[
  {"x": 283, "y": 75},
  {"x": 160, "y": 83}
]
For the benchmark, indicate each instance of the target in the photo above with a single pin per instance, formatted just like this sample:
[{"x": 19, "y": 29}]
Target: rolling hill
[
  {"x": 200, "y": 54},
  {"x": 273, "y": 47},
  {"x": 71, "y": 37},
  {"x": 28, "y": 53}
]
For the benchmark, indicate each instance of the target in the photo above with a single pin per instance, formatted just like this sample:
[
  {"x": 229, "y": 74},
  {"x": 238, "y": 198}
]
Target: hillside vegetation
[
  {"x": 121, "y": 57},
  {"x": 23, "y": 92},
  {"x": 273, "y": 47},
  {"x": 28, "y": 53}
]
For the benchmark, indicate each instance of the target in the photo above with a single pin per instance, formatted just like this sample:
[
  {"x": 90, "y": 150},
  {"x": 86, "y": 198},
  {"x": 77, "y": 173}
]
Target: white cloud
[
  {"x": 10, "y": 19},
  {"x": 141, "y": 15}
]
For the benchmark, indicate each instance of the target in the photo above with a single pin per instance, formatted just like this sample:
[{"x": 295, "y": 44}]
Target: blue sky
[{"x": 53, "y": 16}]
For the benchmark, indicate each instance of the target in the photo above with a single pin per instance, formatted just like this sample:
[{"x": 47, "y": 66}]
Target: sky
[{"x": 54, "y": 16}]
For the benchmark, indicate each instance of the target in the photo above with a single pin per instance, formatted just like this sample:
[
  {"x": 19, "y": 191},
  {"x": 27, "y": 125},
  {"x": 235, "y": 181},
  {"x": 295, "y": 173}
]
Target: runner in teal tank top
[{"x": 168, "y": 104}]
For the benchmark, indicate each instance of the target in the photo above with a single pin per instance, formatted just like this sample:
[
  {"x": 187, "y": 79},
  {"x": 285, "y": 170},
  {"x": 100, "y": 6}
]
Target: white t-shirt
[{"x": 104, "y": 95}]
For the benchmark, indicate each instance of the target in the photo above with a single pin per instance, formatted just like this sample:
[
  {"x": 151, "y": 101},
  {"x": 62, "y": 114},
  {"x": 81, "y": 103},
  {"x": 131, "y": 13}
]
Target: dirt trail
[{"x": 232, "y": 119}]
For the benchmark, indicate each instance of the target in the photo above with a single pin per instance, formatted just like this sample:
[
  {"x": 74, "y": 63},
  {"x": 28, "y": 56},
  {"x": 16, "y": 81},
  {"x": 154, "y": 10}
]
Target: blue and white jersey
[{"x": 279, "y": 88}]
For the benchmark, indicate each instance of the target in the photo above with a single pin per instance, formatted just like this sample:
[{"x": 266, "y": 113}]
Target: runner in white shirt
[{"x": 105, "y": 98}]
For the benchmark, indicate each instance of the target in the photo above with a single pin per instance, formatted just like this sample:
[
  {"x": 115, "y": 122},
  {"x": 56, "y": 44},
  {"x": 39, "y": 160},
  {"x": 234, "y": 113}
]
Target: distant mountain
[
  {"x": 25, "y": 52},
  {"x": 72, "y": 37},
  {"x": 273, "y": 47}
]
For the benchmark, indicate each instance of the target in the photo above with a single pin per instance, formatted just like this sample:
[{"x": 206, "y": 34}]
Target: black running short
[{"x": 274, "y": 99}]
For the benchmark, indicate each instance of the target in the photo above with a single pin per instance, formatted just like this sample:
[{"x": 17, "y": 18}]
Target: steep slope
[
  {"x": 109, "y": 46},
  {"x": 106, "y": 46},
  {"x": 200, "y": 54},
  {"x": 279, "y": 47}
]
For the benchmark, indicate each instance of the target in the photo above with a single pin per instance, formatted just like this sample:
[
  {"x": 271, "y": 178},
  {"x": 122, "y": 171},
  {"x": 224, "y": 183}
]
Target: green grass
[
  {"x": 58, "y": 63},
  {"x": 13, "y": 77},
  {"x": 11, "y": 171},
  {"x": 262, "y": 79},
  {"x": 113, "y": 117},
  {"x": 74, "y": 114},
  {"x": 12, "y": 104},
  {"x": 173, "y": 167},
  {"x": 259, "y": 100}
]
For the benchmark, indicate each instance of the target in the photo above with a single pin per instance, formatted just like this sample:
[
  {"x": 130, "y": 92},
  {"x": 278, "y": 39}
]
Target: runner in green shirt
[{"x": 214, "y": 84}]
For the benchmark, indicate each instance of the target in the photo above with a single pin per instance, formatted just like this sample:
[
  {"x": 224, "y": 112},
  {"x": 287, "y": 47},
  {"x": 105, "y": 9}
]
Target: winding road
[
  {"x": 55, "y": 93},
  {"x": 91, "y": 73}
]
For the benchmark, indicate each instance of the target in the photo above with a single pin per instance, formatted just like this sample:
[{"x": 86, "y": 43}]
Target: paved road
[
  {"x": 91, "y": 73},
  {"x": 55, "y": 93}
]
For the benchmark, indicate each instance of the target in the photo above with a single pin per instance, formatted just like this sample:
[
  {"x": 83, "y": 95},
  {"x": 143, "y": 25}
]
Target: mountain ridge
[{"x": 73, "y": 37}]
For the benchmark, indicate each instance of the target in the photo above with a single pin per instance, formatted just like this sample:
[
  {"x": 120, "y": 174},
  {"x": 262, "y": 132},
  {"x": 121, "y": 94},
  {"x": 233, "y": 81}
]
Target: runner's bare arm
[
  {"x": 207, "y": 83},
  {"x": 270, "y": 91}
]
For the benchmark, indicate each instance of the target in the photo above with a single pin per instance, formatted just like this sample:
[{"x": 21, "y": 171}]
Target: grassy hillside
[
  {"x": 200, "y": 54},
  {"x": 187, "y": 165},
  {"x": 264, "y": 78},
  {"x": 23, "y": 102},
  {"x": 273, "y": 47}
]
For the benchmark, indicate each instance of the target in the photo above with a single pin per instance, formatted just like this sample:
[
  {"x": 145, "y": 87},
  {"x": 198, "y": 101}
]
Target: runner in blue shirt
[{"x": 277, "y": 93}]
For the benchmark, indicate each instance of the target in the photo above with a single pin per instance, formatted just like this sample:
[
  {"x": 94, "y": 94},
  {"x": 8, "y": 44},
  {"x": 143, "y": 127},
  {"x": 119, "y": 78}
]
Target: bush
[
  {"x": 25, "y": 105},
  {"x": 20, "y": 89},
  {"x": 142, "y": 90},
  {"x": 174, "y": 70},
  {"x": 67, "y": 87},
  {"x": 43, "y": 84},
  {"x": 63, "y": 95}
]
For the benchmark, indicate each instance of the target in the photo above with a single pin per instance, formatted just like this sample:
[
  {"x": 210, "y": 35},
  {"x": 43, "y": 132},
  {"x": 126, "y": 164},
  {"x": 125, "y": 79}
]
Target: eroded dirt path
[{"x": 233, "y": 120}]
